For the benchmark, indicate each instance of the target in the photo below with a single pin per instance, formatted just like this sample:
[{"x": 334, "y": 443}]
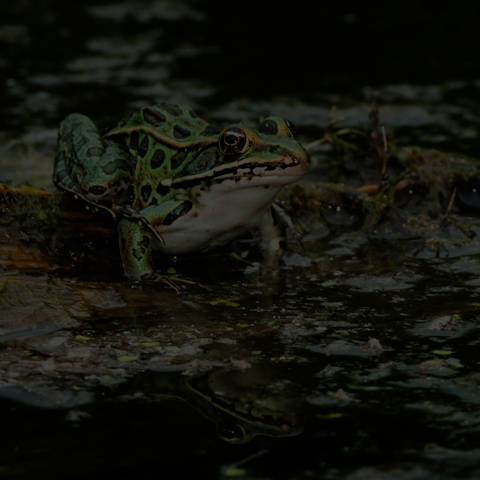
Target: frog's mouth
[{"x": 281, "y": 171}]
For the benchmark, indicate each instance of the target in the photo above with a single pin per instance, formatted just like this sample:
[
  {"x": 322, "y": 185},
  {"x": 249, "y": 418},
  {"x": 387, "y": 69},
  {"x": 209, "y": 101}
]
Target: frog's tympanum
[{"x": 175, "y": 183}]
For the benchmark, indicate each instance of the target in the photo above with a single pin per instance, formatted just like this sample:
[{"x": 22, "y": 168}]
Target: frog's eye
[{"x": 233, "y": 141}]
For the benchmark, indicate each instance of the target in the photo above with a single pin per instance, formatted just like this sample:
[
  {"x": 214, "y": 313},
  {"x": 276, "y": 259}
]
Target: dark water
[{"x": 364, "y": 351}]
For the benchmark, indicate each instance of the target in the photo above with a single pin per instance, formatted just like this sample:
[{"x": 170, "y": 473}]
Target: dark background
[{"x": 252, "y": 49}]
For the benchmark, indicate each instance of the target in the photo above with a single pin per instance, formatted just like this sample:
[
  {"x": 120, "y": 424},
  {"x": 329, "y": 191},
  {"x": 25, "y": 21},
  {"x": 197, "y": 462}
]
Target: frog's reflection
[{"x": 243, "y": 404}]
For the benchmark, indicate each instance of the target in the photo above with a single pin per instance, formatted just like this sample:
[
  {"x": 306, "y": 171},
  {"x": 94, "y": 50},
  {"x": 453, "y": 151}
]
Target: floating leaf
[
  {"x": 127, "y": 358},
  {"x": 81, "y": 338},
  {"x": 442, "y": 352},
  {"x": 242, "y": 325},
  {"x": 229, "y": 302},
  {"x": 150, "y": 344},
  {"x": 171, "y": 270},
  {"x": 235, "y": 472},
  {"x": 256, "y": 352},
  {"x": 329, "y": 416},
  {"x": 369, "y": 388},
  {"x": 328, "y": 283}
]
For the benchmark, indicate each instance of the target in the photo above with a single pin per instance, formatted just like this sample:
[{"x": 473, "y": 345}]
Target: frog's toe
[{"x": 175, "y": 282}]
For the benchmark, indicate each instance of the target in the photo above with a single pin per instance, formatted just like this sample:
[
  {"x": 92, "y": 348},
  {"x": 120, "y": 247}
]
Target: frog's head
[
  {"x": 267, "y": 156},
  {"x": 270, "y": 153}
]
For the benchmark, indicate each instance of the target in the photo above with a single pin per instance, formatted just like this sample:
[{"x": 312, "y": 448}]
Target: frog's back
[
  {"x": 176, "y": 122},
  {"x": 166, "y": 142}
]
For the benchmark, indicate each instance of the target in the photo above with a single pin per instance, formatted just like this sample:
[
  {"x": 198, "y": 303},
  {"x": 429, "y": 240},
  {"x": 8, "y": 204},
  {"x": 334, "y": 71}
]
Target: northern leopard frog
[{"x": 176, "y": 183}]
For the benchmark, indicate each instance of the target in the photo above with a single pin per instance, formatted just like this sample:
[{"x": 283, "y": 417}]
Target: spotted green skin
[{"x": 160, "y": 170}]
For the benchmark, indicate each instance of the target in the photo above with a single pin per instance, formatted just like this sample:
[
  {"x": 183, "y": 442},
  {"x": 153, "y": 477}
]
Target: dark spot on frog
[
  {"x": 268, "y": 127},
  {"x": 138, "y": 253},
  {"x": 192, "y": 114},
  {"x": 112, "y": 167},
  {"x": 203, "y": 162},
  {"x": 174, "y": 110},
  {"x": 266, "y": 186},
  {"x": 154, "y": 201},
  {"x": 275, "y": 149},
  {"x": 119, "y": 138},
  {"x": 177, "y": 212},
  {"x": 180, "y": 132},
  {"x": 178, "y": 159},
  {"x": 157, "y": 158},
  {"x": 143, "y": 147},
  {"x": 145, "y": 242},
  {"x": 162, "y": 189},
  {"x": 210, "y": 131},
  {"x": 134, "y": 140},
  {"x": 94, "y": 152},
  {"x": 67, "y": 137},
  {"x": 123, "y": 241},
  {"x": 142, "y": 247},
  {"x": 153, "y": 117},
  {"x": 97, "y": 190},
  {"x": 86, "y": 140},
  {"x": 146, "y": 192}
]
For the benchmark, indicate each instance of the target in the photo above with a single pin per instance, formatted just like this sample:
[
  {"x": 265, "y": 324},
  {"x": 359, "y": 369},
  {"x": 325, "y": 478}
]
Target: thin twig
[
  {"x": 450, "y": 204},
  {"x": 383, "y": 176}
]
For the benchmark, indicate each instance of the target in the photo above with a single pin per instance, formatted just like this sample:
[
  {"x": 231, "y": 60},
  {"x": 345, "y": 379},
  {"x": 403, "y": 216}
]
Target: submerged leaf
[{"x": 127, "y": 358}]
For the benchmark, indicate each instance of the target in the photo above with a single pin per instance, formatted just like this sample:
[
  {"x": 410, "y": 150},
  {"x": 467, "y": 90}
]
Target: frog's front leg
[{"x": 136, "y": 238}]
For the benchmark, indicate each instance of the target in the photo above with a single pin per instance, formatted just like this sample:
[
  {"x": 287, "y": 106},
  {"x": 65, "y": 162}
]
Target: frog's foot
[{"x": 174, "y": 282}]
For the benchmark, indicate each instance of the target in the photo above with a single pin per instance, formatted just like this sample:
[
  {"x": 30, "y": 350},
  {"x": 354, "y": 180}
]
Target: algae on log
[{"x": 44, "y": 231}]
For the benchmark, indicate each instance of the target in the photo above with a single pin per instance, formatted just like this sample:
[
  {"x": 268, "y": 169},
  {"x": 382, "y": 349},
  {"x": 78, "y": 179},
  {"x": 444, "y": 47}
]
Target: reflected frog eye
[
  {"x": 232, "y": 432},
  {"x": 233, "y": 141}
]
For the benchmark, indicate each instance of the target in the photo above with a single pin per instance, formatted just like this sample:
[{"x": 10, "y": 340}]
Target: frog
[{"x": 175, "y": 183}]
